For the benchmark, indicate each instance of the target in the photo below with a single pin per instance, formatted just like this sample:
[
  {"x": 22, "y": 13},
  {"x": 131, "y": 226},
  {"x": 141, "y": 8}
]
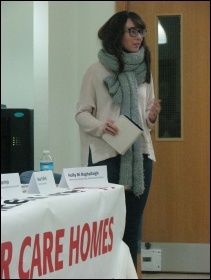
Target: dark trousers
[
  {"x": 134, "y": 212},
  {"x": 134, "y": 205}
]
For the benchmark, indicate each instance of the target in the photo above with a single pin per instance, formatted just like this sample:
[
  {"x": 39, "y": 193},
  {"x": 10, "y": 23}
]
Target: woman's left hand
[{"x": 154, "y": 111}]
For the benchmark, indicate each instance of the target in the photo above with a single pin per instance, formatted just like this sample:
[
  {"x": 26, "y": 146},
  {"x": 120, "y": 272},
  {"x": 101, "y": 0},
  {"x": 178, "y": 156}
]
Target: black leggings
[
  {"x": 134, "y": 205},
  {"x": 113, "y": 166}
]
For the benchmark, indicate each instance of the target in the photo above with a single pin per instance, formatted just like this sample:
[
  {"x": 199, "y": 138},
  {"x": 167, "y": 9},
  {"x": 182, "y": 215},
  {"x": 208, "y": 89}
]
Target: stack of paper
[{"x": 127, "y": 135}]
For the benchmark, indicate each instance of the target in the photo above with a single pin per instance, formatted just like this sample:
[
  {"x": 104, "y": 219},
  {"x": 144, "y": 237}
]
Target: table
[{"x": 75, "y": 234}]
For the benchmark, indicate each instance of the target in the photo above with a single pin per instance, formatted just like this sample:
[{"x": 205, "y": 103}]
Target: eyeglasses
[{"x": 134, "y": 32}]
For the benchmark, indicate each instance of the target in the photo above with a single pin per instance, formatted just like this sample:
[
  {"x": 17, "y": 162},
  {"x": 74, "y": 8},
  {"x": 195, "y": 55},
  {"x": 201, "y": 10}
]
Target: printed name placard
[
  {"x": 11, "y": 186},
  {"x": 42, "y": 182},
  {"x": 93, "y": 176}
]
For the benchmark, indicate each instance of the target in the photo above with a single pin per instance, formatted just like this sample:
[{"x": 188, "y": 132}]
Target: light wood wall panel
[{"x": 178, "y": 208}]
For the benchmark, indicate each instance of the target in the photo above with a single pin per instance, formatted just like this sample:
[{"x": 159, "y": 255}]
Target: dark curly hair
[{"x": 111, "y": 34}]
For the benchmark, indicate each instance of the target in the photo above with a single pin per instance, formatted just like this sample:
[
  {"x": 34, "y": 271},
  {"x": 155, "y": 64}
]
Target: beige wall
[{"x": 46, "y": 48}]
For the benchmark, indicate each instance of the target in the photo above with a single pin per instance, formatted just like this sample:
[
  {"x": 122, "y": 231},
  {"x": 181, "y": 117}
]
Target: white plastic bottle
[{"x": 46, "y": 162}]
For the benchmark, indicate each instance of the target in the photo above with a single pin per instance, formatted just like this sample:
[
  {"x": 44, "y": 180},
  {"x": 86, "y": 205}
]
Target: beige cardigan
[{"x": 95, "y": 107}]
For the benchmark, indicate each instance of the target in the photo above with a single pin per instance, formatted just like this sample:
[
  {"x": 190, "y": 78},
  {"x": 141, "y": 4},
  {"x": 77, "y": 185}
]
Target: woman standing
[{"x": 120, "y": 83}]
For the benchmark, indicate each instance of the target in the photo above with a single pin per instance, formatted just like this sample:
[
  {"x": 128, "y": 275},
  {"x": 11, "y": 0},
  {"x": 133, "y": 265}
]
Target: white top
[{"x": 95, "y": 106}]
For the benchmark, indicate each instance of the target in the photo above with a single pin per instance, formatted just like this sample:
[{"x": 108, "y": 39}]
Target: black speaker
[{"x": 17, "y": 140}]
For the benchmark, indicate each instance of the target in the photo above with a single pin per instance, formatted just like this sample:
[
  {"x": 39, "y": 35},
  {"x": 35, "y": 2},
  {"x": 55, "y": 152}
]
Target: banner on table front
[{"x": 72, "y": 234}]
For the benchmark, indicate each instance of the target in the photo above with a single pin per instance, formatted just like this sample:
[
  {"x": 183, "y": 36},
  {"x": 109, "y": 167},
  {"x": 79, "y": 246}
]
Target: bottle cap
[{"x": 46, "y": 152}]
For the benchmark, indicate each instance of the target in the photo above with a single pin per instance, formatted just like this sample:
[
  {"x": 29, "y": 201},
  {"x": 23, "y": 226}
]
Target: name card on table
[
  {"x": 11, "y": 186},
  {"x": 42, "y": 182},
  {"x": 81, "y": 177}
]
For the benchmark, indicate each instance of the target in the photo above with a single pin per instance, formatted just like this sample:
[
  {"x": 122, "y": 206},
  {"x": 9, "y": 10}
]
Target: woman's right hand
[{"x": 110, "y": 127}]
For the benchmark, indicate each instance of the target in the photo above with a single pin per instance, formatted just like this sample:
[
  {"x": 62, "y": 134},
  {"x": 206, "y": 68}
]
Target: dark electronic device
[{"x": 17, "y": 140}]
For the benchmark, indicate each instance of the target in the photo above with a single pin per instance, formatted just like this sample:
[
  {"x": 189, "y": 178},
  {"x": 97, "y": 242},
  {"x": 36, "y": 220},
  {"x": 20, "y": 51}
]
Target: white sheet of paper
[
  {"x": 92, "y": 176},
  {"x": 42, "y": 182},
  {"x": 11, "y": 186}
]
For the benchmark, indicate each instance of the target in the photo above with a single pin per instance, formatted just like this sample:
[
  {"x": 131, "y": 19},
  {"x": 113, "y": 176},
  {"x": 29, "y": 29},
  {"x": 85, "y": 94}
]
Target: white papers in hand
[{"x": 127, "y": 135}]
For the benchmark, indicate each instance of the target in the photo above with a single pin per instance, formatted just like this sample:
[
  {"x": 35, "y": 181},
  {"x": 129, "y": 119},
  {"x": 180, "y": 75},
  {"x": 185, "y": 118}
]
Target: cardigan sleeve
[
  {"x": 86, "y": 107},
  {"x": 150, "y": 102}
]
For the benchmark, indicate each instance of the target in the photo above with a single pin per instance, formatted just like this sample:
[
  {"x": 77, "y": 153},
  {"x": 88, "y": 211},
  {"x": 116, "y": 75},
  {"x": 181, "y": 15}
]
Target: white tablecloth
[{"x": 76, "y": 234}]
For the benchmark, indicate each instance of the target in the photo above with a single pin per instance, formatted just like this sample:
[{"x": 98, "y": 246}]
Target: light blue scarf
[{"x": 123, "y": 90}]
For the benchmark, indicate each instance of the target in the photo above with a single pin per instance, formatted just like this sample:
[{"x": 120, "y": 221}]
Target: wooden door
[{"x": 178, "y": 207}]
